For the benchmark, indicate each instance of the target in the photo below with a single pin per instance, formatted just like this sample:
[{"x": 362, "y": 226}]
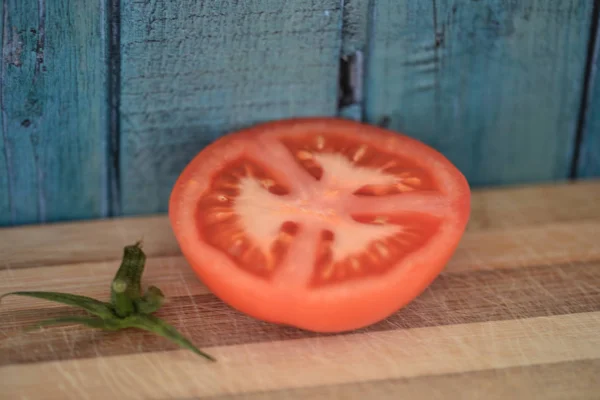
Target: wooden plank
[
  {"x": 561, "y": 244},
  {"x": 589, "y": 156},
  {"x": 488, "y": 251},
  {"x": 355, "y": 27},
  {"x": 499, "y": 211},
  {"x": 322, "y": 361},
  {"x": 541, "y": 269},
  {"x": 79, "y": 242},
  {"x": 194, "y": 70},
  {"x": 453, "y": 298},
  {"x": 557, "y": 381},
  {"x": 521, "y": 206},
  {"x": 494, "y": 85},
  {"x": 530, "y": 247},
  {"x": 517, "y": 303},
  {"x": 54, "y": 108}
]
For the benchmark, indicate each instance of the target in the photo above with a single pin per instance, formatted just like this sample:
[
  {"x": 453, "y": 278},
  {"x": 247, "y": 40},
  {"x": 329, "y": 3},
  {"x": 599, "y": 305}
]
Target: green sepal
[
  {"x": 93, "y": 306},
  {"x": 91, "y": 322},
  {"x": 151, "y": 302},
  {"x": 155, "y": 325}
]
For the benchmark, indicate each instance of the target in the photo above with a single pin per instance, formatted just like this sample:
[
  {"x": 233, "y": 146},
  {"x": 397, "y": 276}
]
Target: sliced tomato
[{"x": 320, "y": 223}]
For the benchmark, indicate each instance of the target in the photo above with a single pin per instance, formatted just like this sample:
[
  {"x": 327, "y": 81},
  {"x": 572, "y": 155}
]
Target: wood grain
[
  {"x": 195, "y": 70},
  {"x": 313, "y": 362},
  {"x": 485, "y": 251},
  {"x": 495, "y": 85},
  {"x": 53, "y": 101},
  {"x": 65, "y": 243},
  {"x": 515, "y": 313},
  {"x": 589, "y": 156},
  {"x": 454, "y": 298},
  {"x": 562, "y": 380},
  {"x": 497, "y": 210},
  {"x": 355, "y": 26}
]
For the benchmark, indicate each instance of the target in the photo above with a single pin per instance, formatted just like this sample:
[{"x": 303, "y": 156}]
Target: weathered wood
[
  {"x": 355, "y": 37},
  {"x": 194, "y": 70},
  {"x": 53, "y": 120},
  {"x": 589, "y": 156},
  {"x": 495, "y": 85}
]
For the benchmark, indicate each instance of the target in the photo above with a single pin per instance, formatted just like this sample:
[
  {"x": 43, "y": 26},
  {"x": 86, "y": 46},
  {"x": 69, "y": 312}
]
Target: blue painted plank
[
  {"x": 53, "y": 128},
  {"x": 495, "y": 85},
  {"x": 355, "y": 25},
  {"x": 589, "y": 157},
  {"x": 193, "y": 70}
]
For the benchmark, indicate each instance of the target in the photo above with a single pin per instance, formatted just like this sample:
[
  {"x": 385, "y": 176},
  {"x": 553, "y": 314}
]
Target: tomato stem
[
  {"x": 126, "y": 286},
  {"x": 128, "y": 307}
]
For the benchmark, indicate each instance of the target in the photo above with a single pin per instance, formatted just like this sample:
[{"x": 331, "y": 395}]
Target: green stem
[
  {"x": 123, "y": 303},
  {"x": 126, "y": 288}
]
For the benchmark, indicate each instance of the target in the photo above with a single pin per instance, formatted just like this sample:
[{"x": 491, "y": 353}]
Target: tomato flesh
[{"x": 321, "y": 223}]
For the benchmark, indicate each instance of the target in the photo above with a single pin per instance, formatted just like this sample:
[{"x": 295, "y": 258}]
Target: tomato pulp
[{"x": 324, "y": 224}]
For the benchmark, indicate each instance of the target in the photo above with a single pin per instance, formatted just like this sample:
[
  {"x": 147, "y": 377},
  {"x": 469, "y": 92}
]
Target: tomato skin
[{"x": 350, "y": 305}]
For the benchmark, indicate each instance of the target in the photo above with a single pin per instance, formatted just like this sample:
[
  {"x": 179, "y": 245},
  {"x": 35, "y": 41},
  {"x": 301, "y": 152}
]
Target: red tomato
[{"x": 324, "y": 224}]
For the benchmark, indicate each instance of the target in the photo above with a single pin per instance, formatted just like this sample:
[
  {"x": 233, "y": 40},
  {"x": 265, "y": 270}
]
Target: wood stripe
[
  {"x": 485, "y": 250},
  {"x": 522, "y": 206},
  {"x": 69, "y": 243},
  {"x": 313, "y": 362},
  {"x": 460, "y": 298},
  {"x": 94, "y": 241},
  {"x": 558, "y": 381},
  {"x": 523, "y": 288},
  {"x": 529, "y": 246}
]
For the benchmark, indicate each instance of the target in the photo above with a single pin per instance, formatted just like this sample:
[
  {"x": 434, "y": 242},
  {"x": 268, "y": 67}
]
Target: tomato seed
[{"x": 304, "y": 155}]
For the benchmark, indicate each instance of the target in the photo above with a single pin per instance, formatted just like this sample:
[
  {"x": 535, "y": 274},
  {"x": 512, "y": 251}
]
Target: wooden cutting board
[{"x": 516, "y": 314}]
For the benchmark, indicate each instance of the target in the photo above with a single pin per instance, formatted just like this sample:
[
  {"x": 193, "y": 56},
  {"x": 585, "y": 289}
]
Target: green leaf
[
  {"x": 155, "y": 325},
  {"x": 91, "y": 322},
  {"x": 126, "y": 288},
  {"x": 151, "y": 302},
  {"x": 93, "y": 306}
]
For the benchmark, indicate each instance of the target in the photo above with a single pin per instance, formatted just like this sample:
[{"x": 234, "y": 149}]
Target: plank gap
[{"x": 114, "y": 98}]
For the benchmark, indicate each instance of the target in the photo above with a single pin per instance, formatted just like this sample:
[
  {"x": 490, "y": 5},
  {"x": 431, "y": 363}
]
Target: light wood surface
[{"x": 515, "y": 314}]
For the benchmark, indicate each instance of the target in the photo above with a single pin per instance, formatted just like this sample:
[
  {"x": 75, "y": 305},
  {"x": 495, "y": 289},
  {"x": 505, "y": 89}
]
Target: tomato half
[{"x": 320, "y": 223}]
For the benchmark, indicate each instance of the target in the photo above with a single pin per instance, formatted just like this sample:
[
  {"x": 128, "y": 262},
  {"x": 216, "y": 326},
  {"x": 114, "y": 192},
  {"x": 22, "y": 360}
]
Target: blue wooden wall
[
  {"x": 588, "y": 159},
  {"x": 104, "y": 102}
]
